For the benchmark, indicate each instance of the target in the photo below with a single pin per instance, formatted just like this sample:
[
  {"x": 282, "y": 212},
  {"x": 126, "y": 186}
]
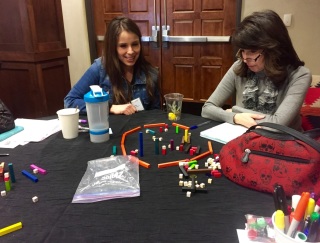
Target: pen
[
  {"x": 83, "y": 121},
  {"x": 3, "y": 155},
  {"x": 280, "y": 202},
  {"x": 83, "y": 128},
  {"x": 299, "y": 213},
  {"x": 199, "y": 125}
]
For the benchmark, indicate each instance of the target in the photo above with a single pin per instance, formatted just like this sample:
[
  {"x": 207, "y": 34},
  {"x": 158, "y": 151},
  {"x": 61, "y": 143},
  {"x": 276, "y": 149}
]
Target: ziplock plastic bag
[
  {"x": 109, "y": 178},
  {"x": 259, "y": 228}
]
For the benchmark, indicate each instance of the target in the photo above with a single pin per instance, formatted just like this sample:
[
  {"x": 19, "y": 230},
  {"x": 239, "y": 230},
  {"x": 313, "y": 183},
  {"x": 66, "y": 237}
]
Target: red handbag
[{"x": 262, "y": 157}]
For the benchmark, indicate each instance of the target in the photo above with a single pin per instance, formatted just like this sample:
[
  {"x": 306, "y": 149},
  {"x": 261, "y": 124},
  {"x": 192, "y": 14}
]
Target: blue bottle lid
[{"x": 96, "y": 95}]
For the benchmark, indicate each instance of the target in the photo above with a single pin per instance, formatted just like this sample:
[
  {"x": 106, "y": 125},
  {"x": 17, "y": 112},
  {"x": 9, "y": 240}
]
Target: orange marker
[{"x": 299, "y": 213}]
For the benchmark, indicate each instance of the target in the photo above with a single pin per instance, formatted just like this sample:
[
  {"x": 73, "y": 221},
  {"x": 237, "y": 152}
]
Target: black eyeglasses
[{"x": 249, "y": 59}]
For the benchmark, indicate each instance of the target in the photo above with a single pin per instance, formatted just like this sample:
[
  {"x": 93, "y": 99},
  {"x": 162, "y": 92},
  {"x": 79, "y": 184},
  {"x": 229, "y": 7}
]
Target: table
[{"x": 162, "y": 213}]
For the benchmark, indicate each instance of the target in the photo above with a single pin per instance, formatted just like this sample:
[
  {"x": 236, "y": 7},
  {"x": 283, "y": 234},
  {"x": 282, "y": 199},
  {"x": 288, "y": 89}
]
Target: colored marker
[
  {"x": 317, "y": 206},
  {"x": 40, "y": 170},
  {"x": 299, "y": 213},
  {"x": 310, "y": 207},
  {"x": 280, "y": 202},
  {"x": 199, "y": 125},
  {"x": 83, "y": 121},
  {"x": 300, "y": 237},
  {"x": 30, "y": 176},
  {"x": 10, "y": 228},
  {"x": 313, "y": 229},
  {"x": 279, "y": 220},
  {"x": 3, "y": 155},
  {"x": 294, "y": 201}
]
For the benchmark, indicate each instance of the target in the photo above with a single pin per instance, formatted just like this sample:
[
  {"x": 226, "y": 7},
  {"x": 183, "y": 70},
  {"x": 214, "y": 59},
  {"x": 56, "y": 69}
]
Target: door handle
[
  {"x": 168, "y": 38},
  {"x": 153, "y": 37}
]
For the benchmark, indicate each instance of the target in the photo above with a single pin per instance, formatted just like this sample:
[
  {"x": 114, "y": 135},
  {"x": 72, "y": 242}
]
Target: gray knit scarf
[{"x": 263, "y": 101}]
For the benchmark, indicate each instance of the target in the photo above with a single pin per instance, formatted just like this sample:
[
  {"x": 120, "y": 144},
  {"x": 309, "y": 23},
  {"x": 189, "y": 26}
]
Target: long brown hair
[
  {"x": 115, "y": 68},
  {"x": 265, "y": 30}
]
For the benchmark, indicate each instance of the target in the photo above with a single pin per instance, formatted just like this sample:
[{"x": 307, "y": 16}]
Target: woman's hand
[
  {"x": 126, "y": 109},
  {"x": 247, "y": 119}
]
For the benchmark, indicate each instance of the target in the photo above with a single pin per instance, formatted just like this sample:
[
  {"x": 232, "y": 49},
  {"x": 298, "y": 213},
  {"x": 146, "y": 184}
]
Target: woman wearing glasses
[{"x": 268, "y": 80}]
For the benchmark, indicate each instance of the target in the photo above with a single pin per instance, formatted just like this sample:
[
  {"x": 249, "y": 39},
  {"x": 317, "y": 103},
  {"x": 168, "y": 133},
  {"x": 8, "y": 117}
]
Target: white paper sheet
[{"x": 34, "y": 131}]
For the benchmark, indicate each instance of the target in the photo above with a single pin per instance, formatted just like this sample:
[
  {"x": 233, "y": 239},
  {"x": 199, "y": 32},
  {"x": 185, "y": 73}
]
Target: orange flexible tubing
[
  {"x": 154, "y": 125},
  {"x": 181, "y": 126}
]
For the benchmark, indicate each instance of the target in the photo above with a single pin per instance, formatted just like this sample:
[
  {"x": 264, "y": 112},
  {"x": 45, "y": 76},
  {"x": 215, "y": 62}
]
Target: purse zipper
[{"x": 247, "y": 152}]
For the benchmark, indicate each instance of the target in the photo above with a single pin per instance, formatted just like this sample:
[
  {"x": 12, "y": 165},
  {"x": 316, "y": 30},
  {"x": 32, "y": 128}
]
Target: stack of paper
[
  {"x": 33, "y": 131},
  {"x": 224, "y": 132}
]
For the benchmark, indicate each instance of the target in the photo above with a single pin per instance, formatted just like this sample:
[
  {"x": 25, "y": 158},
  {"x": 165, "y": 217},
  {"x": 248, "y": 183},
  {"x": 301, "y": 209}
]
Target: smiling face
[
  {"x": 128, "y": 48},
  {"x": 254, "y": 59}
]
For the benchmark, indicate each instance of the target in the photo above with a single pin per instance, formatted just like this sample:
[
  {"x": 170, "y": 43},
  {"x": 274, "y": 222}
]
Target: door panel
[
  {"x": 207, "y": 62},
  {"x": 141, "y": 11},
  {"x": 194, "y": 63}
]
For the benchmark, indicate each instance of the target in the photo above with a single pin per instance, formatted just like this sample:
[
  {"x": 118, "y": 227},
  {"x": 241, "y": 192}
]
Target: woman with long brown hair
[
  {"x": 122, "y": 71},
  {"x": 268, "y": 80}
]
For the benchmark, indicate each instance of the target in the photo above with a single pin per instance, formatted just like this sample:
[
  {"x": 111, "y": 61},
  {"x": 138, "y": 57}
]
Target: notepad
[
  {"x": 10, "y": 133},
  {"x": 224, "y": 132}
]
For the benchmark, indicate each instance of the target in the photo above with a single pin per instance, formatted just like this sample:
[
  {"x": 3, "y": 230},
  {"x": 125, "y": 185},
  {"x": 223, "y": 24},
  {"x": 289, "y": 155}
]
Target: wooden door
[
  {"x": 193, "y": 68},
  {"x": 196, "y": 68},
  {"x": 144, "y": 12}
]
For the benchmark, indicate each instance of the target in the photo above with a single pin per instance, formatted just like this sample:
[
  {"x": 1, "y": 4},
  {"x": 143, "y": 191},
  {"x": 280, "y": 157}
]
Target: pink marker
[{"x": 40, "y": 170}]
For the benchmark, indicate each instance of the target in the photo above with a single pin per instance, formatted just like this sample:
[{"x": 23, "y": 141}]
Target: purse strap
[{"x": 296, "y": 134}]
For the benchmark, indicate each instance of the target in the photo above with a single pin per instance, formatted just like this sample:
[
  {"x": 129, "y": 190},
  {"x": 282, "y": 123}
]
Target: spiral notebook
[{"x": 224, "y": 132}]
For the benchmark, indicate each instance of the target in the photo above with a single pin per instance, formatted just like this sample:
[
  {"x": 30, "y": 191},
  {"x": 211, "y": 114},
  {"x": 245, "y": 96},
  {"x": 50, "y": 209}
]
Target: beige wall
[
  {"x": 305, "y": 26},
  {"x": 304, "y": 30},
  {"x": 75, "y": 27}
]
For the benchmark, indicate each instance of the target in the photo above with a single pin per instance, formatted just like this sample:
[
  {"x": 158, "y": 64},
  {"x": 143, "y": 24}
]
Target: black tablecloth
[{"x": 162, "y": 213}]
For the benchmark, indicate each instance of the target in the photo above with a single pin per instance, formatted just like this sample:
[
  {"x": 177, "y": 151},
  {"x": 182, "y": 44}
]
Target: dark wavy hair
[
  {"x": 115, "y": 68},
  {"x": 266, "y": 30}
]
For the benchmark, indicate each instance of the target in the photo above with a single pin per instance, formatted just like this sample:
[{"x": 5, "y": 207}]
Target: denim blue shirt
[{"x": 96, "y": 75}]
